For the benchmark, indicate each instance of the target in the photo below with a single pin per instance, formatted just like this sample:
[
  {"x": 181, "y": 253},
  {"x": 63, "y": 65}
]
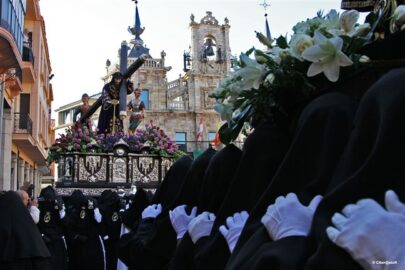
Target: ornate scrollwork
[
  {"x": 119, "y": 170},
  {"x": 92, "y": 168},
  {"x": 146, "y": 170},
  {"x": 97, "y": 172},
  {"x": 209, "y": 19}
]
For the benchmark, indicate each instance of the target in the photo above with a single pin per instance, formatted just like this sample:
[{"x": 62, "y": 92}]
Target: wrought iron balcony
[{"x": 22, "y": 123}]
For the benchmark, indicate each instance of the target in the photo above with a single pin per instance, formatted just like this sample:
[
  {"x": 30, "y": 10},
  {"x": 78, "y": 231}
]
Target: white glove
[
  {"x": 35, "y": 213},
  {"x": 62, "y": 212},
  {"x": 235, "y": 225},
  {"x": 201, "y": 226},
  {"x": 180, "y": 219},
  {"x": 393, "y": 204},
  {"x": 373, "y": 236},
  {"x": 123, "y": 115},
  {"x": 97, "y": 215},
  {"x": 288, "y": 217},
  {"x": 152, "y": 211}
]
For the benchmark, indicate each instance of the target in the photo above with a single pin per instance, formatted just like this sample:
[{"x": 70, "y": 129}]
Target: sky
[{"x": 83, "y": 34}]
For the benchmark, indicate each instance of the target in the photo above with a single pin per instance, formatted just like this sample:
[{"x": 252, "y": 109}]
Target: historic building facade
[
  {"x": 26, "y": 124},
  {"x": 181, "y": 107}
]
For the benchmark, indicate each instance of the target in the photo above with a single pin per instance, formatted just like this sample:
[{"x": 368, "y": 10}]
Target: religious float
[{"x": 92, "y": 161}]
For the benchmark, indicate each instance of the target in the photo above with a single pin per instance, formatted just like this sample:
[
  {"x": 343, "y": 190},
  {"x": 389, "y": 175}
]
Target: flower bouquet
[
  {"x": 276, "y": 83},
  {"x": 81, "y": 138},
  {"x": 78, "y": 138}
]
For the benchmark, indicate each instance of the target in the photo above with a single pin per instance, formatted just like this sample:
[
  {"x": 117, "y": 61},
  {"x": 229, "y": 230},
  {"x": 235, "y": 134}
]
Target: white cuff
[{"x": 97, "y": 215}]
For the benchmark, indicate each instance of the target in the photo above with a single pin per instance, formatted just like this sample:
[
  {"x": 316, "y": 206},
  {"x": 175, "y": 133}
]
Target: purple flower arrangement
[{"x": 82, "y": 138}]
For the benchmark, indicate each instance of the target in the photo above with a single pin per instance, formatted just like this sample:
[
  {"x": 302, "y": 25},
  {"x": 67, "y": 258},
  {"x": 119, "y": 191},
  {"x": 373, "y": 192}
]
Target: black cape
[
  {"x": 109, "y": 205},
  {"x": 163, "y": 242},
  {"x": 132, "y": 245},
  {"x": 323, "y": 130},
  {"x": 372, "y": 163},
  {"x": 137, "y": 203},
  {"x": 85, "y": 247},
  {"x": 262, "y": 154},
  {"x": 217, "y": 179},
  {"x": 52, "y": 227},
  {"x": 21, "y": 244}
]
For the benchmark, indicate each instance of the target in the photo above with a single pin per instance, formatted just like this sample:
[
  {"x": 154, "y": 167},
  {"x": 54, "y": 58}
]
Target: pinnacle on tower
[
  {"x": 138, "y": 49},
  {"x": 137, "y": 30}
]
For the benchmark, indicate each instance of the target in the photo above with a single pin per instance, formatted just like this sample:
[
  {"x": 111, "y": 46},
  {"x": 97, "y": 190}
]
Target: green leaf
[
  {"x": 263, "y": 39},
  {"x": 281, "y": 41},
  {"x": 249, "y": 52}
]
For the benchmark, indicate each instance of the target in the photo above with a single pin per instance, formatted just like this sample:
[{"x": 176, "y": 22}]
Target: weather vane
[{"x": 265, "y": 5}]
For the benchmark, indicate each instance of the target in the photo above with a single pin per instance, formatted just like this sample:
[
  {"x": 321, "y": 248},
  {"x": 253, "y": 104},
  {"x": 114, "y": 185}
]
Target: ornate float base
[{"x": 94, "y": 172}]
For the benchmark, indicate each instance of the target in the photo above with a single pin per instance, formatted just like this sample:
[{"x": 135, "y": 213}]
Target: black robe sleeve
[
  {"x": 183, "y": 257},
  {"x": 285, "y": 254},
  {"x": 214, "y": 254}
]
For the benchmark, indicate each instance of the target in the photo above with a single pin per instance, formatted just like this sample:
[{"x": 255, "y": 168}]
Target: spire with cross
[{"x": 265, "y": 6}]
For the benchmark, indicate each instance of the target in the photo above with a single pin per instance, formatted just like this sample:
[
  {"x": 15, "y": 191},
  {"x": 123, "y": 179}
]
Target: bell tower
[
  {"x": 207, "y": 62},
  {"x": 209, "y": 51}
]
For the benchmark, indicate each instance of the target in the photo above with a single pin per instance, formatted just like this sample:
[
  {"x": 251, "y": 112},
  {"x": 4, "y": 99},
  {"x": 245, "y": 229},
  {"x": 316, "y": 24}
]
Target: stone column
[
  {"x": 27, "y": 176},
  {"x": 5, "y": 150},
  {"x": 14, "y": 168},
  {"x": 35, "y": 180},
  {"x": 21, "y": 173}
]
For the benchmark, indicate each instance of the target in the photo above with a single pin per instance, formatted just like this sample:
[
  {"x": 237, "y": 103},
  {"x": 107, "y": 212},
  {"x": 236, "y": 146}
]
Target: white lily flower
[
  {"x": 235, "y": 88},
  {"x": 270, "y": 78},
  {"x": 298, "y": 44},
  {"x": 399, "y": 16},
  {"x": 361, "y": 30},
  {"x": 326, "y": 56},
  {"x": 306, "y": 27},
  {"x": 225, "y": 110},
  {"x": 277, "y": 54},
  {"x": 251, "y": 74},
  {"x": 332, "y": 20},
  {"x": 348, "y": 20}
]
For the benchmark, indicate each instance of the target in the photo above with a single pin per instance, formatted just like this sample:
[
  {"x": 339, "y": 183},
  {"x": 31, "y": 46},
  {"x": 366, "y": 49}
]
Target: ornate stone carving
[
  {"x": 209, "y": 19},
  {"x": 208, "y": 102}
]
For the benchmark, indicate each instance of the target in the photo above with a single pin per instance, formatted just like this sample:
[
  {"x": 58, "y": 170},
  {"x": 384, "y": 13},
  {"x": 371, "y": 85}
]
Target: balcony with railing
[
  {"x": 176, "y": 88},
  {"x": 22, "y": 123},
  {"x": 23, "y": 139},
  {"x": 150, "y": 63},
  {"x": 177, "y": 106},
  {"x": 28, "y": 64}
]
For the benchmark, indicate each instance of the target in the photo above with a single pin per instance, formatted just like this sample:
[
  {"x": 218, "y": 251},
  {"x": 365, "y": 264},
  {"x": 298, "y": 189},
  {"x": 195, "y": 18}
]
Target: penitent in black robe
[
  {"x": 155, "y": 241},
  {"x": 52, "y": 227},
  {"x": 85, "y": 247},
  {"x": 323, "y": 130},
  {"x": 21, "y": 244},
  {"x": 262, "y": 154},
  {"x": 131, "y": 247},
  {"x": 216, "y": 182}
]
